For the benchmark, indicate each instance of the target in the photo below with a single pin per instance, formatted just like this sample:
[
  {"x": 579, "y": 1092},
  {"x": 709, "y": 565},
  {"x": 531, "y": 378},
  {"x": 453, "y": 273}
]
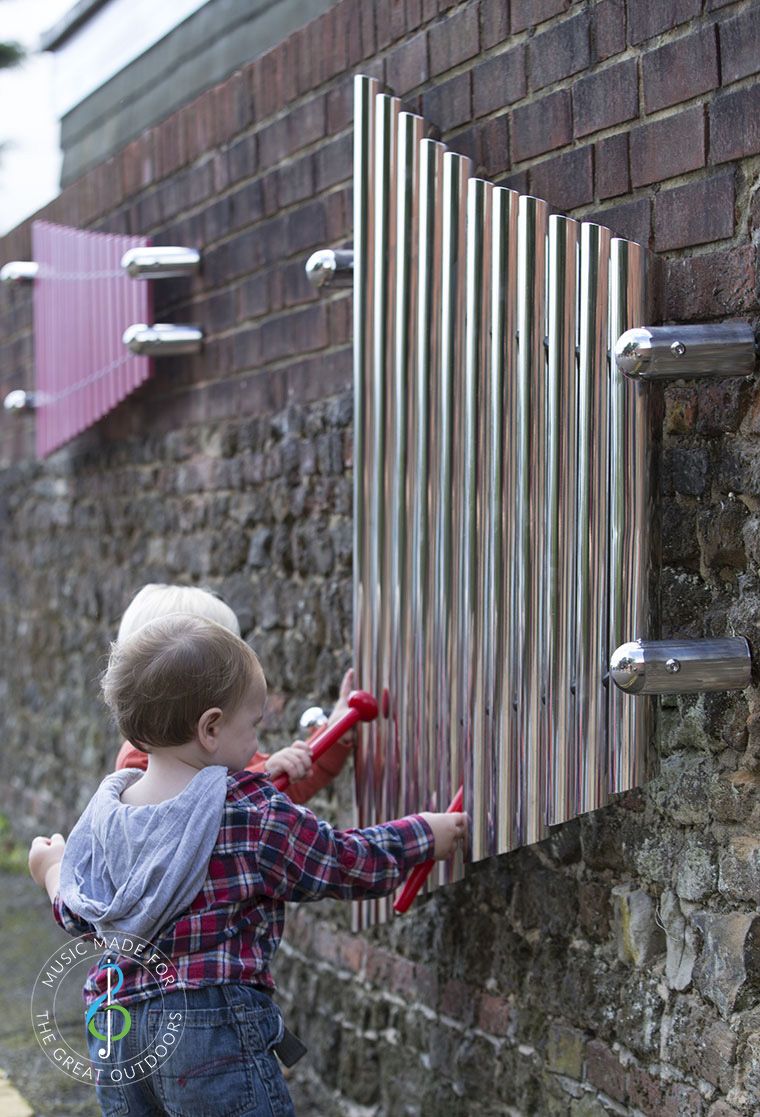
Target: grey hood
[{"x": 129, "y": 869}]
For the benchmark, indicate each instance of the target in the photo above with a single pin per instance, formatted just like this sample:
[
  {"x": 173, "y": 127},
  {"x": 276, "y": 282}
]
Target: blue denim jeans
[{"x": 219, "y": 1060}]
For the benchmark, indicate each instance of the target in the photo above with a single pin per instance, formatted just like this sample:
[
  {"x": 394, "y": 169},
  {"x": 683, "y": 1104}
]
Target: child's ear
[{"x": 209, "y": 724}]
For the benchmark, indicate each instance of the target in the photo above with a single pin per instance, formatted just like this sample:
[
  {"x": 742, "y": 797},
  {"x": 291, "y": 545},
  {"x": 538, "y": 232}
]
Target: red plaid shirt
[{"x": 269, "y": 850}]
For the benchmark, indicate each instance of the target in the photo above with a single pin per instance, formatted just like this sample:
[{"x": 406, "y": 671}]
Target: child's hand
[
  {"x": 293, "y": 762},
  {"x": 348, "y": 740},
  {"x": 449, "y": 831},
  {"x": 43, "y": 854}
]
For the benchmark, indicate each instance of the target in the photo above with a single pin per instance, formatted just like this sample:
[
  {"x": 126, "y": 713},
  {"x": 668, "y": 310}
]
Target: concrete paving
[{"x": 31, "y": 1086}]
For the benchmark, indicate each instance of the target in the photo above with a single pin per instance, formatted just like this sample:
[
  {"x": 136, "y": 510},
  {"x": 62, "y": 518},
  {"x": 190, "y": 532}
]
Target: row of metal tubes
[{"x": 428, "y": 721}]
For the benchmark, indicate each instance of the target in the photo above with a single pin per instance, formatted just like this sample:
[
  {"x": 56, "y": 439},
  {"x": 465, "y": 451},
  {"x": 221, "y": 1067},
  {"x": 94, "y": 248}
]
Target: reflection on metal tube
[
  {"x": 401, "y": 747},
  {"x": 456, "y": 170},
  {"x": 632, "y": 445},
  {"x": 365, "y": 90},
  {"x": 504, "y": 771},
  {"x": 592, "y": 558},
  {"x": 386, "y": 136},
  {"x": 562, "y": 523},
  {"x": 423, "y": 765},
  {"x": 476, "y": 537},
  {"x": 528, "y": 600}
]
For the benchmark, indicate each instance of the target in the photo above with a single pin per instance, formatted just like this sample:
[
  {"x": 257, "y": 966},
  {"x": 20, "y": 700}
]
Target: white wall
[
  {"x": 118, "y": 33},
  {"x": 30, "y": 161}
]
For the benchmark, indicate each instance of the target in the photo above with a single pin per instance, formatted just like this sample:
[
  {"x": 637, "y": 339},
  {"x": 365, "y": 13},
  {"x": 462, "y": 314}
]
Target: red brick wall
[{"x": 510, "y": 989}]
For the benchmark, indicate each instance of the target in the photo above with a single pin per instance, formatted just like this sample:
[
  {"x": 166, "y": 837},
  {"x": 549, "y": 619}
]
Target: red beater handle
[
  {"x": 362, "y": 706},
  {"x": 421, "y": 872}
]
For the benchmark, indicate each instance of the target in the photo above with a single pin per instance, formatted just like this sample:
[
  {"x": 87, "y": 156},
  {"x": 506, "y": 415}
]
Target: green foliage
[
  {"x": 13, "y": 855},
  {"x": 11, "y": 54}
]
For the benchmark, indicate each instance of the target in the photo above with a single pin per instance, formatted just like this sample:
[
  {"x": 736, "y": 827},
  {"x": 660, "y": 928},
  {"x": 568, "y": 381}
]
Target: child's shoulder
[{"x": 248, "y": 785}]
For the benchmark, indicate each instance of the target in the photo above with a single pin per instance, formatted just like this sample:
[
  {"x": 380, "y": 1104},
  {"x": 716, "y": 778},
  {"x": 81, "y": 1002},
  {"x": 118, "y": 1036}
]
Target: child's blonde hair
[
  {"x": 170, "y": 671},
  {"x": 159, "y": 600}
]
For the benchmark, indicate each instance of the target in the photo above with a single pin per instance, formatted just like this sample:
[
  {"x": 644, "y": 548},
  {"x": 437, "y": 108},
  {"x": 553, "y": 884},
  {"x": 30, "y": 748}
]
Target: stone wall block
[
  {"x": 638, "y": 937},
  {"x": 682, "y": 943},
  {"x": 729, "y": 960}
]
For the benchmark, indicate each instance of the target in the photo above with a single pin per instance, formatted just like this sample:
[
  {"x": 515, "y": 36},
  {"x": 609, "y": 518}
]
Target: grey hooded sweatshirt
[{"x": 129, "y": 869}]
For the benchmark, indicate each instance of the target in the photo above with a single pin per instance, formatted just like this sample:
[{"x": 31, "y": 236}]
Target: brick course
[{"x": 234, "y": 469}]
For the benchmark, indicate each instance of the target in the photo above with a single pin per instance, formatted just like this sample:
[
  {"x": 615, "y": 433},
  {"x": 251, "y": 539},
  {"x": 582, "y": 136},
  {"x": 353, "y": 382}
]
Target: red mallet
[
  {"x": 421, "y": 872},
  {"x": 361, "y": 707}
]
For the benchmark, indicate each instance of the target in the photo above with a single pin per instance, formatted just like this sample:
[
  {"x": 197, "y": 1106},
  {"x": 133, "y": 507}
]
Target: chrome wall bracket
[
  {"x": 18, "y": 400},
  {"x": 331, "y": 267},
  {"x": 19, "y": 271},
  {"x": 162, "y": 339},
  {"x": 160, "y": 262},
  {"x": 686, "y": 352},
  {"x": 681, "y": 666}
]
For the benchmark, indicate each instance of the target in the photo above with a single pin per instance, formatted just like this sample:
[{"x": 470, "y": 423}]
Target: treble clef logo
[{"x": 109, "y": 1007}]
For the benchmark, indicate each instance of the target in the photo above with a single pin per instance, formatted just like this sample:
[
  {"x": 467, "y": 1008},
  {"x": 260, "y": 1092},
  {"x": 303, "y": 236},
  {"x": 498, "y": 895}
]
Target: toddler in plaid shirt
[{"x": 199, "y": 856}]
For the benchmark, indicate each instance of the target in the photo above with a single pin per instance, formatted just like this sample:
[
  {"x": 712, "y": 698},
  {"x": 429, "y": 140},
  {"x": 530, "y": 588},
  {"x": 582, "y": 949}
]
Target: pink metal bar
[{"x": 83, "y": 302}]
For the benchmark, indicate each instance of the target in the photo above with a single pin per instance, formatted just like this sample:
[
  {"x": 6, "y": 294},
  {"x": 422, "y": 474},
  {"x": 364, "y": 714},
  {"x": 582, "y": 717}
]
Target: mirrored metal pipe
[
  {"x": 562, "y": 518},
  {"x": 505, "y": 775},
  {"x": 476, "y": 538},
  {"x": 681, "y": 666},
  {"x": 632, "y": 562},
  {"x": 675, "y": 352},
  {"x": 423, "y": 768},
  {"x": 387, "y": 111},
  {"x": 365, "y": 90},
  {"x": 528, "y": 600},
  {"x": 592, "y": 559},
  {"x": 401, "y": 767},
  {"x": 456, "y": 171}
]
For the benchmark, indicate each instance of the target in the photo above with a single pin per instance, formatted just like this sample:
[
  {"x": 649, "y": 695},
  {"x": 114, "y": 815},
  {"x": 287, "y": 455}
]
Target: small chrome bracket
[
  {"x": 19, "y": 271},
  {"x": 313, "y": 718},
  {"x": 331, "y": 267},
  {"x": 681, "y": 666},
  {"x": 162, "y": 339},
  {"x": 160, "y": 262},
  {"x": 687, "y": 352},
  {"x": 18, "y": 400}
]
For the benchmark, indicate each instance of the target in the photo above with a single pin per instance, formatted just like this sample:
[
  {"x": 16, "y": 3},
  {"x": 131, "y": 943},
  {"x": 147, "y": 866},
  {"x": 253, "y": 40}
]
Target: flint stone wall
[{"x": 615, "y": 967}]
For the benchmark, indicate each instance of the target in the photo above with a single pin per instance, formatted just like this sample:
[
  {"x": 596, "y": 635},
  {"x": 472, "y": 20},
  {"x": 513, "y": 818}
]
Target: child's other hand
[
  {"x": 43, "y": 854},
  {"x": 348, "y": 740},
  {"x": 449, "y": 831},
  {"x": 293, "y": 762}
]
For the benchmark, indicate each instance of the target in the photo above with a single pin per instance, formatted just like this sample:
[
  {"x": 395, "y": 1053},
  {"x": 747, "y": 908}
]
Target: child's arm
[
  {"x": 45, "y": 856},
  {"x": 301, "y": 857},
  {"x": 45, "y": 862}
]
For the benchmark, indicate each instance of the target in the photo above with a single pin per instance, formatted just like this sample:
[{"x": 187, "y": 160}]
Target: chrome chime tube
[
  {"x": 476, "y": 537},
  {"x": 365, "y": 91},
  {"x": 528, "y": 602},
  {"x": 504, "y": 771},
  {"x": 592, "y": 557},
  {"x": 402, "y": 780},
  {"x": 562, "y": 517},
  {"x": 422, "y": 767},
  {"x": 448, "y": 760},
  {"x": 633, "y": 424},
  {"x": 387, "y": 111}
]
